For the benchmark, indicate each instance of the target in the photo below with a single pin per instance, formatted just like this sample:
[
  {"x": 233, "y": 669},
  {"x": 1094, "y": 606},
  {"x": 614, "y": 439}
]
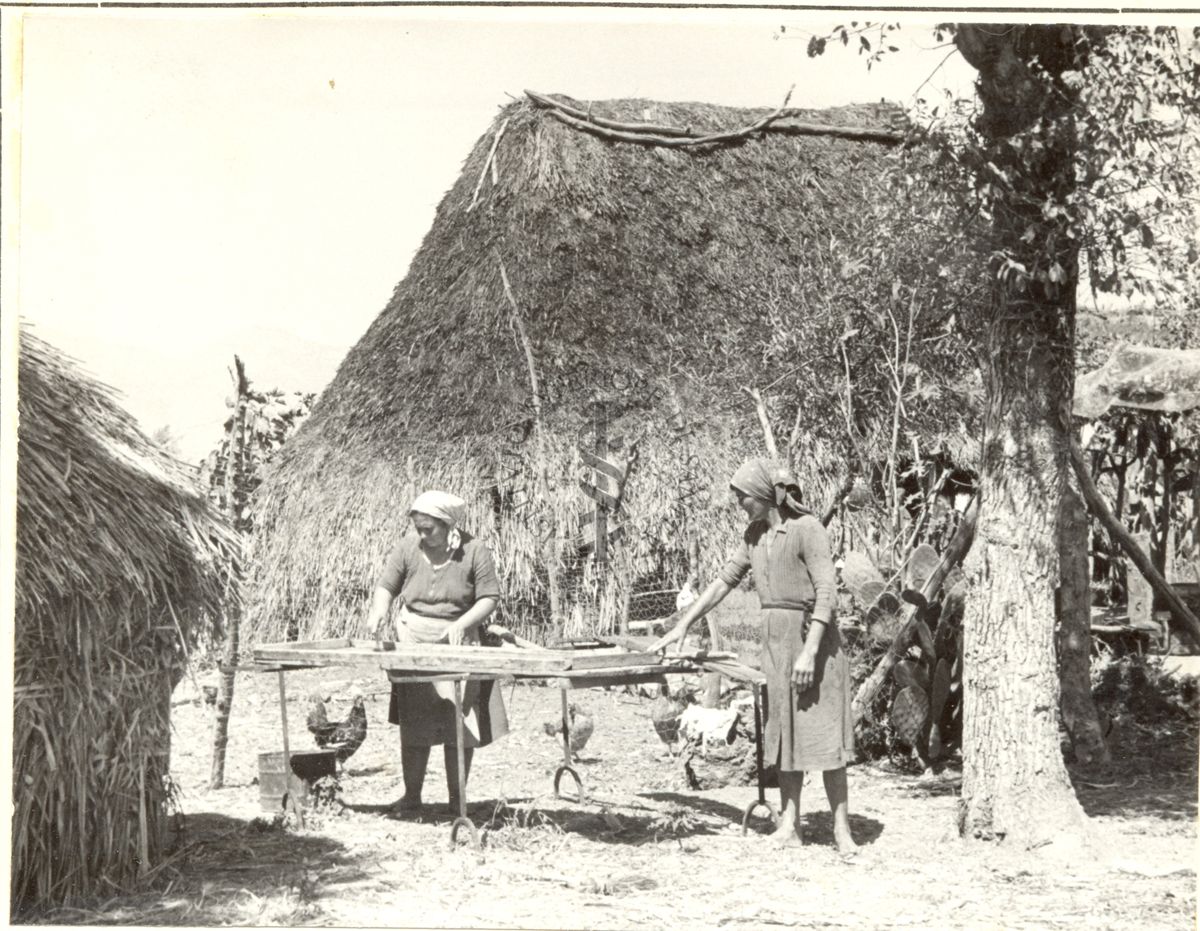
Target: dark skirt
[
  {"x": 813, "y": 730},
  {"x": 427, "y": 719}
]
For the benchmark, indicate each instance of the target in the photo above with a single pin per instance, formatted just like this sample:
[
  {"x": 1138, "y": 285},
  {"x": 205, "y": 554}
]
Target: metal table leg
[
  {"x": 567, "y": 767},
  {"x": 761, "y": 802},
  {"x": 462, "y": 820},
  {"x": 289, "y": 797}
]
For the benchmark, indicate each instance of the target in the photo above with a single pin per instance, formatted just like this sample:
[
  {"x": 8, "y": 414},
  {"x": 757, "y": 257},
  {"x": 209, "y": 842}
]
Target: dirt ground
[{"x": 644, "y": 851}]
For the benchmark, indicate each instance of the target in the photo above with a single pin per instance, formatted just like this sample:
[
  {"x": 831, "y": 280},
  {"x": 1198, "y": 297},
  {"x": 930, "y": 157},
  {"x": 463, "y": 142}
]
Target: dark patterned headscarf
[{"x": 769, "y": 481}]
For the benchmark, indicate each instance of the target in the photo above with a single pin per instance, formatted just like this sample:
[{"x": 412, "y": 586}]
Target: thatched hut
[
  {"x": 577, "y": 287},
  {"x": 120, "y": 566}
]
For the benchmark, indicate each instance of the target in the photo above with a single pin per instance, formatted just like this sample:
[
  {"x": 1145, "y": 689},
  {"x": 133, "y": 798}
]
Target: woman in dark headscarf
[{"x": 809, "y": 726}]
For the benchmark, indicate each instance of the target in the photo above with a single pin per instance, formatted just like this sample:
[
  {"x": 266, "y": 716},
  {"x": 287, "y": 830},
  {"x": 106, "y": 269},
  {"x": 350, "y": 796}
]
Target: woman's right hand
[{"x": 674, "y": 635}]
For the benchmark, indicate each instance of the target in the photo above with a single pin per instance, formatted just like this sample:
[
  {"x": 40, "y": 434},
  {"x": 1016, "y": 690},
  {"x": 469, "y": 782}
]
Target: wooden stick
[
  {"x": 674, "y": 136},
  {"x": 503, "y": 633},
  {"x": 661, "y": 130},
  {"x": 664, "y": 141},
  {"x": 460, "y": 749},
  {"x": 525, "y": 345},
  {"x": 1185, "y": 621},
  {"x": 761, "y": 409},
  {"x": 959, "y": 545},
  {"x": 795, "y": 435},
  {"x": 486, "y": 162},
  {"x": 287, "y": 753},
  {"x": 847, "y": 487}
]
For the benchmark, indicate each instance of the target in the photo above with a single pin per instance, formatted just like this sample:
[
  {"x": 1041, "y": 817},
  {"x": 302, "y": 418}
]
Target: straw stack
[
  {"x": 122, "y": 566},
  {"x": 564, "y": 268}
]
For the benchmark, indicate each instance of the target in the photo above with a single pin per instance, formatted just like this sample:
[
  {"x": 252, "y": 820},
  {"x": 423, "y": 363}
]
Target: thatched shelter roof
[
  {"x": 101, "y": 510},
  {"x": 663, "y": 282},
  {"x": 1142, "y": 377},
  {"x": 121, "y": 565}
]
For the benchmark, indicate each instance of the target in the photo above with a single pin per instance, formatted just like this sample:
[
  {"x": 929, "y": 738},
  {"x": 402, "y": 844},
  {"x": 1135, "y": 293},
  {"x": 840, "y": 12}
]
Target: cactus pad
[
  {"x": 883, "y": 617},
  {"x": 921, "y": 565},
  {"x": 909, "y": 712},
  {"x": 862, "y": 578},
  {"x": 940, "y": 690},
  {"x": 909, "y": 673}
]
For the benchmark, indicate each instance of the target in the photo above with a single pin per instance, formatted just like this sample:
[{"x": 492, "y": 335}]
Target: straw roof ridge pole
[{"x": 681, "y": 137}]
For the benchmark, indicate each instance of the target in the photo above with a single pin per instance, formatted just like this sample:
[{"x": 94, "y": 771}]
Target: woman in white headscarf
[{"x": 447, "y": 583}]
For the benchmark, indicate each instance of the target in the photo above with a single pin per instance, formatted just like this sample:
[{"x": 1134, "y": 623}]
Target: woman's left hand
[
  {"x": 457, "y": 632},
  {"x": 804, "y": 671}
]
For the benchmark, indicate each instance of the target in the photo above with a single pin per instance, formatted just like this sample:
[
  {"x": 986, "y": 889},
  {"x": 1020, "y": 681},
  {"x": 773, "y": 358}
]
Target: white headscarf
[{"x": 443, "y": 506}]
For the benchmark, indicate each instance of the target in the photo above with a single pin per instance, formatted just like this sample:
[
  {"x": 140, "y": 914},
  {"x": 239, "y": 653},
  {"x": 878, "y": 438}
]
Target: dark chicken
[
  {"x": 345, "y": 737},
  {"x": 581, "y": 724},
  {"x": 665, "y": 713}
]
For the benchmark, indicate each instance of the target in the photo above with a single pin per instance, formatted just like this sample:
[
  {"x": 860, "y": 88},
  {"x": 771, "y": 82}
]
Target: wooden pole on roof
[{"x": 550, "y": 546}]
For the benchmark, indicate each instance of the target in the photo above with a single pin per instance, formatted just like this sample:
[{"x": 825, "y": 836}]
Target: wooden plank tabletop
[{"x": 444, "y": 659}]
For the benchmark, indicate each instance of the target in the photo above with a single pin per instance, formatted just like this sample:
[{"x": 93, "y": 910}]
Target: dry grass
[{"x": 121, "y": 567}]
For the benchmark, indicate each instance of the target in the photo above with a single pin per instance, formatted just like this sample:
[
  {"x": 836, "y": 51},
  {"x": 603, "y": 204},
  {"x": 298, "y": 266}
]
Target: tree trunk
[
  {"x": 235, "y": 496},
  {"x": 1074, "y": 634},
  {"x": 1015, "y": 786},
  {"x": 228, "y": 668}
]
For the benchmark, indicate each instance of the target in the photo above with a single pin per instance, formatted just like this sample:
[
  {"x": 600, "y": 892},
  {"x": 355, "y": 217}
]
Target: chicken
[
  {"x": 581, "y": 727},
  {"x": 345, "y": 737},
  {"x": 686, "y": 595},
  {"x": 665, "y": 713}
]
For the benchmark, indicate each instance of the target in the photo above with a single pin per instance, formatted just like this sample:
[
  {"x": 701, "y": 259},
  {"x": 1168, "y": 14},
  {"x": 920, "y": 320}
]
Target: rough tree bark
[
  {"x": 1075, "y": 633},
  {"x": 1015, "y": 785}
]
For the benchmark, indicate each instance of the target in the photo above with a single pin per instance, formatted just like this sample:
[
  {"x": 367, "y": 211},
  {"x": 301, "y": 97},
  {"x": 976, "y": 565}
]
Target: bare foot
[
  {"x": 788, "y": 835},
  {"x": 407, "y": 806},
  {"x": 845, "y": 843}
]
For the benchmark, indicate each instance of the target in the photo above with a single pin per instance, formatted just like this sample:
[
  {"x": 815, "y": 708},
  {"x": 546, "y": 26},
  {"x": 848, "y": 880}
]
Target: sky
[{"x": 198, "y": 183}]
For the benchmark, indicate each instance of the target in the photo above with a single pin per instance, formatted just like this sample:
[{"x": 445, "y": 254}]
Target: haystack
[
  {"x": 572, "y": 286},
  {"x": 121, "y": 567}
]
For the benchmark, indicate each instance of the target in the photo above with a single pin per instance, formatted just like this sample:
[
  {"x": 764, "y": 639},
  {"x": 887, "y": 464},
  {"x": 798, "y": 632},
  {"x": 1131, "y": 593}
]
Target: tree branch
[
  {"x": 768, "y": 433},
  {"x": 680, "y": 137},
  {"x": 489, "y": 161},
  {"x": 524, "y": 340},
  {"x": 1186, "y": 622}
]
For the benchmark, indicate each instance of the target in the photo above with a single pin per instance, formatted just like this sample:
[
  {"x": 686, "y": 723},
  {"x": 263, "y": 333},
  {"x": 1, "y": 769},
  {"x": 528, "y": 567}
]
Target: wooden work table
[{"x": 594, "y": 667}]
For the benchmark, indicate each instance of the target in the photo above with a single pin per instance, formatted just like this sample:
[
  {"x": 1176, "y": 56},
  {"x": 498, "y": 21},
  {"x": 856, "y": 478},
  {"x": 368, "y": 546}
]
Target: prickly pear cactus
[
  {"x": 883, "y": 617},
  {"x": 910, "y": 710},
  {"x": 862, "y": 579},
  {"x": 930, "y": 676},
  {"x": 921, "y": 565}
]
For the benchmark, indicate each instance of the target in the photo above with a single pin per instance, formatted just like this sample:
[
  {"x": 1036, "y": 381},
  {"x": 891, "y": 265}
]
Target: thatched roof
[
  {"x": 664, "y": 282},
  {"x": 121, "y": 566},
  {"x": 102, "y": 510},
  {"x": 1142, "y": 377}
]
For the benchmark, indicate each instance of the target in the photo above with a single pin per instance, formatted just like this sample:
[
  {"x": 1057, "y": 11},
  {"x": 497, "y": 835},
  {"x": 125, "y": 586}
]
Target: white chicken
[{"x": 686, "y": 595}]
